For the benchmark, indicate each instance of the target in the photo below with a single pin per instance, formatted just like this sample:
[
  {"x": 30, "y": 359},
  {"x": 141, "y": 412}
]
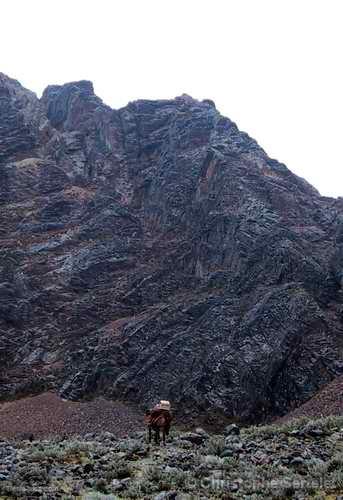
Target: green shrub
[
  {"x": 337, "y": 479},
  {"x": 212, "y": 461},
  {"x": 147, "y": 487},
  {"x": 31, "y": 473},
  {"x": 101, "y": 485},
  {"x": 318, "y": 469},
  {"x": 118, "y": 470},
  {"x": 336, "y": 462},
  {"x": 326, "y": 424},
  {"x": 230, "y": 463},
  {"x": 176, "y": 479},
  {"x": 153, "y": 474},
  {"x": 40, "y": 453},
  {"x": 129, "y": 445},
  {"x": 215, "y": 445}
]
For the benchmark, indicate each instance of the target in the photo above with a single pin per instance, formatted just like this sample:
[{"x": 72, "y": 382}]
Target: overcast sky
[{"x": 272, "y": 66}]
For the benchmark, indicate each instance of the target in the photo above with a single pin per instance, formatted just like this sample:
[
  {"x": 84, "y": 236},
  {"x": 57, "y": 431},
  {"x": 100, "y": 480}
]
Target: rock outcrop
[{"x": 157, "y": 251}]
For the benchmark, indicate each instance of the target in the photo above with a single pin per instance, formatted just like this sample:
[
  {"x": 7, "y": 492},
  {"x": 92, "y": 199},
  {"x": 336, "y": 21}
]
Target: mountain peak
[
  {"x": 157, "y": 251},
  {"x": 83, "y": 86}
]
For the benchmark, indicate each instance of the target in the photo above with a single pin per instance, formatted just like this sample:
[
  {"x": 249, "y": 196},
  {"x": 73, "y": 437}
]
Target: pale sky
[{"x": 272, "y": 66}]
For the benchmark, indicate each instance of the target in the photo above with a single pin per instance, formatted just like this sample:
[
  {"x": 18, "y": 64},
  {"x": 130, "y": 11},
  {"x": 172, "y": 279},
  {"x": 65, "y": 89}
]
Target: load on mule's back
[{"x": 159, "y": 419}]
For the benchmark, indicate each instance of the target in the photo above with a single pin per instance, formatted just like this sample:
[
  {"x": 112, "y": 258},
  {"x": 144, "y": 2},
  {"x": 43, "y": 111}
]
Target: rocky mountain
[{"x": 157, "y": 251}]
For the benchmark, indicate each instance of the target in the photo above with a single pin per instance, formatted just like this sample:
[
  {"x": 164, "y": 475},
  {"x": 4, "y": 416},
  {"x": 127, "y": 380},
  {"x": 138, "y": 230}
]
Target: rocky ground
[
  {"x": 49, "y": 415},
  {"x": 327, "y": 401},
  {"x": 302, "y": 459}
]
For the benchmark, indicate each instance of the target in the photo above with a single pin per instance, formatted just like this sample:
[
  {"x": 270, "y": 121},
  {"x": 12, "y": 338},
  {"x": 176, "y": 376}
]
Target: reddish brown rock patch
[
  {"x": 48, "y": 414},
  {"x": 328, "y": 401}
]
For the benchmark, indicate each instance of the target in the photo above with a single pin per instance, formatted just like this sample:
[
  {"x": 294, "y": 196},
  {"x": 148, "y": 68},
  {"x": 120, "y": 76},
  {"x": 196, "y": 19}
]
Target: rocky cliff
[{"x": 157, "y": 251}]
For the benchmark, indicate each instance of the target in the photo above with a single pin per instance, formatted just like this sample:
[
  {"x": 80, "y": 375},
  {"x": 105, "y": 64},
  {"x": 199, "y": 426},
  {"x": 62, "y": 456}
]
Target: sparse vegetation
[
  {"x": 303, "y": 424},
  {"x": 303, "y": 458}
]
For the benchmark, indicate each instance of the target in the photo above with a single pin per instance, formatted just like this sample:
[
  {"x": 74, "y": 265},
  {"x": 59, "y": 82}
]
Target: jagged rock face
[{"x": 158, "y": 252}]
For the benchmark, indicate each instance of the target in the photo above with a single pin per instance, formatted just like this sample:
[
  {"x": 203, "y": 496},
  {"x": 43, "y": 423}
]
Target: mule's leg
[
  {"x": 157, "y": 435},
  {"x": 149, "y": 434},
  {"x": 164, "y": 436}
]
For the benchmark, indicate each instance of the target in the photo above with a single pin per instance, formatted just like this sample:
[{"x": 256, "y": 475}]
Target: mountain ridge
[{"x": 156, "y": 250}]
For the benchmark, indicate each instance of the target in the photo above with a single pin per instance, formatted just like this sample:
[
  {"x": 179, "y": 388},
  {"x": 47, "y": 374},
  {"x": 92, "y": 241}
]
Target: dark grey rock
[
  {"x": 166, "y": 495},
  {"x": 193, "y": 437},
  {"x": 226, "y": 453},
  {"x": 57, "y": 473},
  {"x": 165, "y": 240},
  {"x": 232, "y": 429},
  {"x": 117, "y": 485}
]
